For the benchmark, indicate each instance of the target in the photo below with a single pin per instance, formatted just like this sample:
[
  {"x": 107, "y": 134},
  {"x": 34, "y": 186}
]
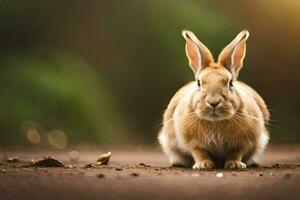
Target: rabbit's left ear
[{"x": 233, "y": 54}]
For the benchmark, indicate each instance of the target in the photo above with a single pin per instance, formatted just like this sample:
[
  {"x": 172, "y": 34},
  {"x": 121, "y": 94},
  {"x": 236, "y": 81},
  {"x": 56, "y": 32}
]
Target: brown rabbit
[{"x": 215, "y": 121}]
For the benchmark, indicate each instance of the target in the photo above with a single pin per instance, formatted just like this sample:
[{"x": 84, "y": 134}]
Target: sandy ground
[{"x": 143, "y": 173}]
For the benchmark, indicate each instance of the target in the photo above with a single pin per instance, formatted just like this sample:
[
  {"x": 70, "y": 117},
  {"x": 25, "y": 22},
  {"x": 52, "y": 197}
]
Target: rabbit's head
[{"x": 217, "y": 97}]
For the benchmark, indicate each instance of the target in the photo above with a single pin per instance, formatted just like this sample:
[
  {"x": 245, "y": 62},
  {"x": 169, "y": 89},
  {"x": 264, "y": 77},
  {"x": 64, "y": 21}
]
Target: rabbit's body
[
  {"x": 182, "y": 130},
  {"x": 234, "y": 135}
]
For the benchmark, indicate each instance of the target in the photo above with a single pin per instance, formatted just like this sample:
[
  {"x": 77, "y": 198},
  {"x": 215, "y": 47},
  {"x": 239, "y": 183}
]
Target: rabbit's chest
[
  {"x": 218, "y": 143},
  {"x": 219, "y": 140}
]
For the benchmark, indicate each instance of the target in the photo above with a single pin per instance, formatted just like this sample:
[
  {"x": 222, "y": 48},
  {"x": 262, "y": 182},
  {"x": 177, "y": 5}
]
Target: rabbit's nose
[{"x": 214, "y": 103}]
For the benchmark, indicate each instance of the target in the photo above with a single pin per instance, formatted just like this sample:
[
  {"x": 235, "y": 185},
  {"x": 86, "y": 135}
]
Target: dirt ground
[{"x": 143, "y": 173}]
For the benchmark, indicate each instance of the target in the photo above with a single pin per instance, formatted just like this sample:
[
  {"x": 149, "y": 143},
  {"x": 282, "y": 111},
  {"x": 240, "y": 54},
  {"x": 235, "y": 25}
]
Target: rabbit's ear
[
  {"x": 198, "y": 54},
  {"x": 233, "y": 54}
]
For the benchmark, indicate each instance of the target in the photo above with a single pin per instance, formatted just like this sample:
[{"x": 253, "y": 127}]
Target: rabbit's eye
[
  {"x": 230, "y": 84},
  {"x": 198, "y": 83}
]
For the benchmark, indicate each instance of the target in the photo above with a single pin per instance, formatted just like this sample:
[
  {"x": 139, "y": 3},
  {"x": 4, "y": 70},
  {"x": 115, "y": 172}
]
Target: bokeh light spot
[
  {"x": 74, "y": 156},
  {"x": 57, "y": 139},
  {"x": 33, "y": 136}
]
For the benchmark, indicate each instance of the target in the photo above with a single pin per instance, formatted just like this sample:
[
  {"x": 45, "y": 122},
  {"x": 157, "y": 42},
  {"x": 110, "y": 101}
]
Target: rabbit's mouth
[{"x": 217, "y": 114}]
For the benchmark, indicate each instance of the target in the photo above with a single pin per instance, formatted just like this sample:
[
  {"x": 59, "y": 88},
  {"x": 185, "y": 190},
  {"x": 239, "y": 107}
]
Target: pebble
[
  {"x": 134, "y": 174},
  {"x": 272, "y": 174},
  {"x": 143, "y": 165},
  {"x": 118, "y": 169},
  {"x": 88, "y": 166},
  {"x": 100, "y": 175},
  {"x": 195, "y": 174},
  {"x": 219, "y": 175},
  {"x": 261, "y": 174},
  {"x": 287, "y": 176},
  {"x": 3, "y": 170}
]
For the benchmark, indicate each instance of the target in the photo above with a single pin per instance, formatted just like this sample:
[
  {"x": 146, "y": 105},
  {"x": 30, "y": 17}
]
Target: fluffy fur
[{"x": 215, "y": 121}]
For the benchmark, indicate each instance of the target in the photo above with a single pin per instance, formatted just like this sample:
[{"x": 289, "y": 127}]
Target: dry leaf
[
  {"x": 90, "y": 165},
  {"x": 47, "y": 162},
  {"x": 13, "y": 160},
  {"x": 104, "y": 159}
]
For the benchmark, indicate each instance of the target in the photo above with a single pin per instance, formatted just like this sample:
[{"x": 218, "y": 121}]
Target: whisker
[
  {"x": 191, "y": 122},
  {"x": 256, "y": 118},
  {"x": 243, "y": 130},
  {"x": 245, "y": 121},
  {"x": 171, "y": 119}
]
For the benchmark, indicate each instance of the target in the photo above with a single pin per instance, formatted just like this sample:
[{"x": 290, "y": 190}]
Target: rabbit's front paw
[
  {"x": 205, "y": 164},
  {"x": 235, "y": 164}
]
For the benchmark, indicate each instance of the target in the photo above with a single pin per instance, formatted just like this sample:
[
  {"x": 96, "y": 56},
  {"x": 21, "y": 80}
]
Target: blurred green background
[{"x": 97, "y": 72}]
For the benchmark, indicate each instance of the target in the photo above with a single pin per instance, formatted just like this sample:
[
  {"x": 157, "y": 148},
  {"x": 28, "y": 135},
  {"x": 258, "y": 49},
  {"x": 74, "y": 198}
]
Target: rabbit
[{"x": 215, "y": 121}]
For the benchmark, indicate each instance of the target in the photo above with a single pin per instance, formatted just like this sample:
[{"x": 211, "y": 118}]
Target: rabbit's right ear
[{"x": 197, "y": 53}]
